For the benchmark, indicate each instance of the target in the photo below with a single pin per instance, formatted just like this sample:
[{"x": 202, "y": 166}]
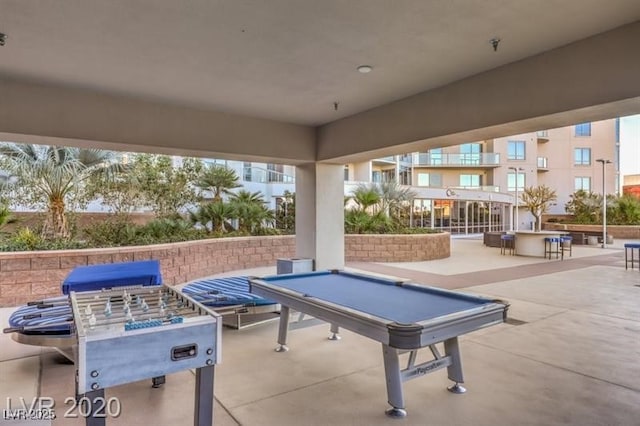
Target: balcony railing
[
  {"x": 457, "y": 160},
  {"x": 484, "y": 188},
  {"x": 543, "y": 136},
  {"x": 390, "y": 159},
  {"x": 260, "y": 175},
  {"x": 542, "y": 163},
  {"x": 404, "y": 159}
]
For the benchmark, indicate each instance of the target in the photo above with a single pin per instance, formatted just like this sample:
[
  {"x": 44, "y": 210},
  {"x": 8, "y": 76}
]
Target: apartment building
[{"x": 472, "y": 187}]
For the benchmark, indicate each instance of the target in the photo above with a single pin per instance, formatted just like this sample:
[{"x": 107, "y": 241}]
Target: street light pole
[
  {"x": 515, "y": 169},
  {"x": 604, "y": 203}
]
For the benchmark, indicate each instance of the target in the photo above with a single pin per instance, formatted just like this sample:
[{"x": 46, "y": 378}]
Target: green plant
[
  {"x": 624, "y": 210},
  {"x": 285, "y": 215},
  {"x": 6, "y": 218},
  {"x": 165, "y": 187},
  {"x": 213, "y": 217},
  {"x": 54, "y": 176},
  {"x": 218, "y": 180},
  {"x": 116, "y": 232},
  {"x": 251, "y": 211},
  {"x": 365, "y": 197},
  {"x": 395, "y": 199},
  {"x": 361, "y": 222},
  {"x": 586, "y": 207},
  {"x": 165, "y": 230},
  {"x": 27, "y": 238}
]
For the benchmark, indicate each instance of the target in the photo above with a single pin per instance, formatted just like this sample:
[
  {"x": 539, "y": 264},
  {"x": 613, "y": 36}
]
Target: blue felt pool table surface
[{"x": 379, "y": 297}]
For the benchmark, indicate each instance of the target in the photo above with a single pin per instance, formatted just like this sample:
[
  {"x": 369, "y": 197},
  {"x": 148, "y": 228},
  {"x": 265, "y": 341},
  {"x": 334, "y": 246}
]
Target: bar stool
[
  {"x": 631, "y": 247},
  {"x": 552, "y": 245},
  {"x": 566, "y": 243},
  {"x": 507, "y": 242}
]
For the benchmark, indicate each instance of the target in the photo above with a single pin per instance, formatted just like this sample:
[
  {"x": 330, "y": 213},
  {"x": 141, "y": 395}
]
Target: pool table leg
[
  {"x": 454, "y": 371},
  {"x": 393, "y": 376},
  {"x": 282, "y": 330},
  {"x": 334, "y": 332}
]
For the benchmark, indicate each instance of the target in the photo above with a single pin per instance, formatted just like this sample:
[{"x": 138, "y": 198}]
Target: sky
[{"x": 630, "y": 145}]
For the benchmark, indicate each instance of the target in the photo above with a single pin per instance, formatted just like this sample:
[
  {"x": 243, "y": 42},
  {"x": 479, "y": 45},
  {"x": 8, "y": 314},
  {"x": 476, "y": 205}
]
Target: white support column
[
  {"x": 362, "y": 172},
  {"x": 320, "y": 214}
]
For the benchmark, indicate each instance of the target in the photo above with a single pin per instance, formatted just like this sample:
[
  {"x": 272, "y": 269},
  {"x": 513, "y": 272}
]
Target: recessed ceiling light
[{"x": 365, "y": 69}]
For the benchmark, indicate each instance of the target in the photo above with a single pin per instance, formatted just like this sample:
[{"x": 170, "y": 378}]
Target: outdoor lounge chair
[{"x": 230, "y": 297}]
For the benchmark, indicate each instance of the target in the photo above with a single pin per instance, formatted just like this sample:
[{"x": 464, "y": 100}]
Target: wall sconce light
[
  {"x": 494, "y": 43},
  {"x": 3, "y": 39}
]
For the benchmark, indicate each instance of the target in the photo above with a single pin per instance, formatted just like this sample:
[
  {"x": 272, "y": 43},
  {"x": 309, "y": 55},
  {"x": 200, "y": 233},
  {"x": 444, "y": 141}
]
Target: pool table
[{"x": 404, "y": 317}]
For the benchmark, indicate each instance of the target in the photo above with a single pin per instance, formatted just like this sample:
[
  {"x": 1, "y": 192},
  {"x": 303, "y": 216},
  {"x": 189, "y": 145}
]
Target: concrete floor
[{"x": 570, "y": 357}]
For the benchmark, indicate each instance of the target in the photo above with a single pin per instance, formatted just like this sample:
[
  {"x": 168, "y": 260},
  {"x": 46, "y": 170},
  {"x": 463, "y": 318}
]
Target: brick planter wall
[
  {"x": 617, "y": 231},
  {"x": 26, "y": 276},
  {"x": 397, "y": 248}
]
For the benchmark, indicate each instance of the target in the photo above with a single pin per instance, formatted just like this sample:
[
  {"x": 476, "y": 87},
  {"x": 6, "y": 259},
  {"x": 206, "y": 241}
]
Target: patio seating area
[{"x": 568, "y": 354}]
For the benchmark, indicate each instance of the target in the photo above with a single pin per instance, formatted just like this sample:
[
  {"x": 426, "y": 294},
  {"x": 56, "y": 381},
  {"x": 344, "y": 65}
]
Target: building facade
[{"x": 473, "y": 187}]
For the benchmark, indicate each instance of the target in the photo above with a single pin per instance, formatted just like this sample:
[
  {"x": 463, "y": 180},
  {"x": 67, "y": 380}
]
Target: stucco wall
[{"x": 26, "y": 276}]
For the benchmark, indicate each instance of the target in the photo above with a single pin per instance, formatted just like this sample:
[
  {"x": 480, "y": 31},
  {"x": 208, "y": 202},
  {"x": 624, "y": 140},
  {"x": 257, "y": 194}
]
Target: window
[
  {"x": 583, "y": 183},
  {"x": 435, "y": 155},
  {"x": 246, "y": 171},
  {"x": 511, "y": 181},
  {"x": 389, "y": 175},
  {"x": 515, "y": 150},
  {"x": 582, "y": 156},
  {"x": 275, "y": 173},
  {"x": 470, "y": 181},
  {"x": 470, "y": 153},
  {"x": 583, "y": 129},
  {"x": 429, "y": 179},
  {"x": 404, "y": 176}
]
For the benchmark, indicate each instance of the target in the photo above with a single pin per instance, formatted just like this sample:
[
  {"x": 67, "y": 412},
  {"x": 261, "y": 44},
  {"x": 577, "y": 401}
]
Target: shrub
[
  {"x": 27, "y": 240},
  {"x": 111, "y": 233}
]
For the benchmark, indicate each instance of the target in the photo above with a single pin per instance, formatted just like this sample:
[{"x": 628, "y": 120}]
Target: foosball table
[{"x": 126, "y": 334}]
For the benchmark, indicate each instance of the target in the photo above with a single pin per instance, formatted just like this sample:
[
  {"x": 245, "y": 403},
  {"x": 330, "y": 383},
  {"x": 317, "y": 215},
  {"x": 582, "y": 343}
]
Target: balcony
[
  {"x": 543, "y": 136},
  {"x": 486, "y": 160},
  {"x": 483, "y": 188},
  {"x": 260, "y": 175},
  {"x": 385, "y": 160},
  {"x": 403, "y": 160},
  {"x": 542, "y": 164}
]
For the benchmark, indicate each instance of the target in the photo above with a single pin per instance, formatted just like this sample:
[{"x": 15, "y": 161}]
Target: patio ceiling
[{"x": 285, "y": 63}]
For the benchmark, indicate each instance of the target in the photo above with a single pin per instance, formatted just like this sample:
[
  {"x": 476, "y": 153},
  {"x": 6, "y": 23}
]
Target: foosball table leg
[
  {"x": 203, "y": 413},
  {"x": 96, "y": 410}
]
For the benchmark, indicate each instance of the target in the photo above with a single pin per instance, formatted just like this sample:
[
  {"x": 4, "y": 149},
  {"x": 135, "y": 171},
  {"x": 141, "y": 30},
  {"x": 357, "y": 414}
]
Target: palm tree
[
  {"x": 393, "y": 198},
  {"x": 251, "y": 211},
  {"x": 217, "y": 179},
  {"x": 365, "y": 196},
  {"x": 213, "y": 216},
  {"x": 53, "y": 175}
]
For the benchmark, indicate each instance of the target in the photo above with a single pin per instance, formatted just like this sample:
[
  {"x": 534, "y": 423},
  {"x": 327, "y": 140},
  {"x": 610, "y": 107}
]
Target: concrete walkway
[{"x": 570, "y": 355}]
